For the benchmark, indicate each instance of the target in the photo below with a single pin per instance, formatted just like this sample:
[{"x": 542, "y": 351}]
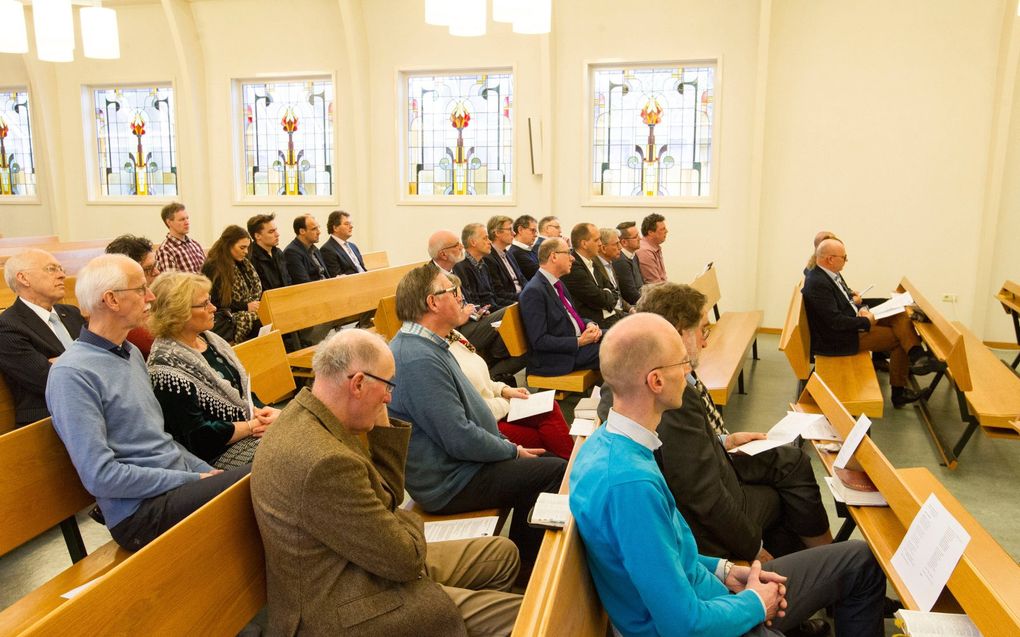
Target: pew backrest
[
  {"x": 942, "y": 337},
  {"x": 375, "y": 260},
  {"x": 511, "y": 330},
  {"x": 386, "y": 321},
  {"x": 265, "y": 360},
  {"x": 7, "y": 415},
  {"x": 708, "y": 284},
  {"x": 28, "y": 242},
  {"x": 795, "y": 341}
]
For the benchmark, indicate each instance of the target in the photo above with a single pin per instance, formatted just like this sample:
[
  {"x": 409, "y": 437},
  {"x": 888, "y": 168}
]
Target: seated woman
[
  {"x": 236, "y": 288},
  {"x": 547, "y": 431},
  {"x": 199, "y": 382}
]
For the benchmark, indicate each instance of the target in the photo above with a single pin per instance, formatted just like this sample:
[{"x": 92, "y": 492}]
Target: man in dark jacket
[
  {"x": 267, "y": 258},
  {"x": 304, "y": 261}
]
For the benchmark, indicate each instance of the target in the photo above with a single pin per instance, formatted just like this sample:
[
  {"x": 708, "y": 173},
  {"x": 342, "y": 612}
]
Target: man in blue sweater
[
  {"x": 457, "y": 459},
  {"x": 104, "y": 411},
  {"x": 641, "y": 553}
]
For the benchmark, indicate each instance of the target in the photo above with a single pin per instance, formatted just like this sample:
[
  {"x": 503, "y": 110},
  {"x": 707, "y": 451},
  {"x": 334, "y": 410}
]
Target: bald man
[
  {"x": 842, "y": 326},
  {"x": 641, "y": 553}
]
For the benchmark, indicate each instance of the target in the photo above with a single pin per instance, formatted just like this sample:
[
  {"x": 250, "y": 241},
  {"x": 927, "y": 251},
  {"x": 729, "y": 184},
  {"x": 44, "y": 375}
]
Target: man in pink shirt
[{"x": 649, "y": 255}]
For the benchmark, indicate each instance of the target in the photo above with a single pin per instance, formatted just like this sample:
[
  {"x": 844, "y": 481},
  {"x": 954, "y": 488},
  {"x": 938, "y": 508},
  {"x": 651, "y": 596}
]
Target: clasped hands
[{"x": 771, "y": 587}]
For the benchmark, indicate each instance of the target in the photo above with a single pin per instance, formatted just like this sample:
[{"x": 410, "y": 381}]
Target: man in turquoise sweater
[{"x": 641, "y": 553}]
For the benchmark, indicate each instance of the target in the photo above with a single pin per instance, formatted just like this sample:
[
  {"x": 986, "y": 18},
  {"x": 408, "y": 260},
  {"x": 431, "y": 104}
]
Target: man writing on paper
[{"x": 642, "y": 556}]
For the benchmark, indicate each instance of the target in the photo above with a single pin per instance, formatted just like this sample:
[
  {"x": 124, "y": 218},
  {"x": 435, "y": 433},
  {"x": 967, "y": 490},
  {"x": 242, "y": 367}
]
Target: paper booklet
[
  {"x": 915, "y": 623},
  {"x": 538, "y": 403},
  {"x": 893, "y": 306},
  {"x": 587, "y": 407},
  {"x": 460, "y": 529},
  {"x": 551, "y": 511}
]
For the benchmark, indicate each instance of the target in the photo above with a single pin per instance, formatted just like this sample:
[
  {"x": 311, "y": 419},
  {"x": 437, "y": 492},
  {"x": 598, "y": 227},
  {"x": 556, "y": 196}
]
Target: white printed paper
[
  {"x": 460, "y": 529},
  {"x": 582, "y": 427},
  {"x": 551, "y": 509},
  {"x": 852, "y": 442},
  {"x": 893, "y": 306},
  {"x": 929, "y": 552},
  {"x": 74, "y": 592},
  {"x": 540, "y": 403},
  {"x": 794, "y": 424},
  {"x": 755, "y": 447},
  {"x": 265, "y": 329}
]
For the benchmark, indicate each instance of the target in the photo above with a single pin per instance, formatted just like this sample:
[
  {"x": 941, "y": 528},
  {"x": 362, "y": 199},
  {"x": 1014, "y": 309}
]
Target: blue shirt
[{"x": 641, "y": 553}]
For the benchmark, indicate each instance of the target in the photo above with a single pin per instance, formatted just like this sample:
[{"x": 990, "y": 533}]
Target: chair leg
[{"x": 73, "y": 540}]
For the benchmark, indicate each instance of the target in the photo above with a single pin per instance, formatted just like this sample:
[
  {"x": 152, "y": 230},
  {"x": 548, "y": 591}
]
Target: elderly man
[
  {"x": 138, "y": 249},
  {"x": 641, "y": 553},
  {"x": 34, "y": 330},
  {"x": 339, "y": 549},
  {"x": 473, "y": 272},
  {"x": 559, "y": 339},
  {"x": 548, "y": 228},
  {"x": 304, "y": 260},
  {"x": 596, "y": 298},
  {"x": 265, "y": 256},
  {"x": 108, "y": 418},
  {"x": 649, "y": 255},
  {"x": 841, "y": 326},
  {"x": 507, "y": 278},
  {"x": 525, "y": 234},
  {"x": 627, "y": 268},
  {"x": 339, "y": 252},
  {"x": 738, "y": 506},
  {"x": 458, "y": 461},
  {"x": 179, "y": 251}
]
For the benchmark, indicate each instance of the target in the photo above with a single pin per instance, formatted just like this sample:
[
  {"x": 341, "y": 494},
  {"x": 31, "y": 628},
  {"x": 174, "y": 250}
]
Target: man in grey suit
[
  {"x": 342, "y": 557},
  {"x": 626, "y": 268}
]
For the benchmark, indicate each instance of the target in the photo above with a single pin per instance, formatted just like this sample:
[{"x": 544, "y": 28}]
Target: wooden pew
[
  {"x": 28, "y": 242},
  {"x": 1009, "y": 297},
  {"x": 386, "y": 321},
  {"x": 986, "y": 581},
  {"x": 205, "y": 576},
  {"x": 988, "y": 392},
  {"x": 71, "y": 247},
  {"x": 375, "y": 260},
  {"x": 265, "y": 360},
  {"x": 7, "y": 295},
  {"x": 852, "y": 378},
  {"x": 7, "y": 416},
  {"x": 511, "y": 330},
  {"x": 721, "y": 363},
  {"x": 39, "y": 488}
]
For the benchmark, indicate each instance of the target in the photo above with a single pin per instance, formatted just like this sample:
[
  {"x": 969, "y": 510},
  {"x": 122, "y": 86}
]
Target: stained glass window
[
  {"x": 288, "y": 137},
  {"x": 17, "y": 163},
  {"x": 136, "y": 141},
  {"x": 459, "y": 135},
  {"x": 652, "y": 131}
]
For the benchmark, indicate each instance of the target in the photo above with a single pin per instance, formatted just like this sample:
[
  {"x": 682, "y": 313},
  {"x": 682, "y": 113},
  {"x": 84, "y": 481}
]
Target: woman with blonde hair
[
  {"x": 236, "y": 288},
  {"x": 203, "y": 389}
]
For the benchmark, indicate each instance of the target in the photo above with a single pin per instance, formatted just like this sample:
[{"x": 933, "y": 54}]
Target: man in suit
[
  {"x": 627, "y": 268},
  {"x": 525, "y": 234},
  {"x": 34, "y": 330},
  {"x": 642, "y": 556},
  {"x": 507, "y": 279},
  {"x": 267, "y": 258},
  {"x": 841, "y": 326},
  {"x": 339, "y": 252},
  {"x": 342, "y": 556},
  {"x": 304, "y": 260},
  {"x": 559, "y": 339},
  {"x": 548, "y": 228},
  {"x": 473, "y": 271},
  {"x": 595, "y": 298}
]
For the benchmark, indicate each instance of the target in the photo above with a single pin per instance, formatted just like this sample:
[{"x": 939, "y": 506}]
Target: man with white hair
[
  {"x": 108, "y": 418},
  {"x": 339, "y": 548},
  {"x": 34, "y": 330}
]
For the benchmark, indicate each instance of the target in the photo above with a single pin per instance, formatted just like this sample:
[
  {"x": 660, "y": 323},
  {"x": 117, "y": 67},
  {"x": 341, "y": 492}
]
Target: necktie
[
  {"x": 714, "y": 417},
  {"x": 354, "y": 258},
  {"x": 570, "y": 308},
  {"x": 846, "y": 290},
  {"x": 58, "y": 328},
  {"x": 510, "y": 269}
]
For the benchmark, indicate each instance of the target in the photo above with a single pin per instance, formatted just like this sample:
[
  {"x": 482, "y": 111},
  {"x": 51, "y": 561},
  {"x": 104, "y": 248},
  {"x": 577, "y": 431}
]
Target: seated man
[
  {"x": 108, "y": 418},
  {"x": 341, "y": 555},
  {"x": 559, "y": 340},
  {"x": 525, "y": 234},
  {"x": 140, "y": 249},
  {"x": 339, "y": 252},
  {"x": 649, "y": 255},
  {"x": 626, "y": 267},
  {"x": 506, "y": 277},
  {"x": 265, "y": 254},
  {"x": 738, "y": 506},
  {"x": 458, "y": 461},
  {"x": 840, "y": 326},
  {"x": 594, "y": 296},
  {"x": 304, "y": 259},
  {"x": 34, "y": 330},
  {"x": 641, "y": 553},
  {"x": 473, "y": 273}
]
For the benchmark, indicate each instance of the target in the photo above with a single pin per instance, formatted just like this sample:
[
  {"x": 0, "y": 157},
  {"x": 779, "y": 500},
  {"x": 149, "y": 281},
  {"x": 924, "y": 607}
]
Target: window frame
[{"x": 23, "y": 200}]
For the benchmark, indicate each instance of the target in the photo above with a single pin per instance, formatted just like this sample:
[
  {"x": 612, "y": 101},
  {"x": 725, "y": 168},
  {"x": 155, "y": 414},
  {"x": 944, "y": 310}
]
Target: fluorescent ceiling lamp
[
  {"x": 54, "y": 30},
  {"x": 470, "y": 18},
  {"x": 533, "y": 17},
  {"x": 99, "y": 36},
  {"x": 13, "y": 35},
  {"x": 439, "y": 12},
  {"x": 505, "y": 10}
]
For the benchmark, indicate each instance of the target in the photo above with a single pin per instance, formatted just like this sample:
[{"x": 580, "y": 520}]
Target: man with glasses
[
  {"x": 339, "y": 548},
  {"x": 627, "y": 268},
  {"x": 458, "y": 461},
  {"x": 525, "y": 234},
  {"x": 841, "y": 326},
  {"x": 109, "y": 420},
  {"x": 548, "y": 228},
  {"x": 34, "y": 330},
  {"x": 140, "y": 250},
  {"x": 596, "y": 298},
  {"x": 645, "y": 563},
  {"x": 506, "y": 277}
]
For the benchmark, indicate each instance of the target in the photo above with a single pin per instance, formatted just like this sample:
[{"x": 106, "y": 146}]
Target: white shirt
[
  {"x": 608, "y": 265},
  {"x": 520, "y": 245},
  {"x": 347, "y": 250},
  {"x": 44, "y": 314},
  {"x": 617, "y": 423}
]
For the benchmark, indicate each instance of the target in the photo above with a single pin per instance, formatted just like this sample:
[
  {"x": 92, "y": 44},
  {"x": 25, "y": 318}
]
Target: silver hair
[
  {"x": 100, "y": 275},
  {"x": 19, "y": 263},
  {"x": 345, "y": 351},
  {"x": 608, "y": 233}
]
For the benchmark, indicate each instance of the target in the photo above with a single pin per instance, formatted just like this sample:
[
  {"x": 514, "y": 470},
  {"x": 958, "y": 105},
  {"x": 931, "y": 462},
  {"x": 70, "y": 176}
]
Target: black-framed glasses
[
  {"x": 141, "y": 290},
  {"x": 390, "y": 385},
  {"x": 204, "y": 304},
  {"x": 454, "y": 290},
  {"x": 686, "y": 361}
]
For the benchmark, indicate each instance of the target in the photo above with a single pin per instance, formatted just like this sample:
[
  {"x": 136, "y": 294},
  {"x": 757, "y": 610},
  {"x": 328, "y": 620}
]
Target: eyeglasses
[
  {"x": 204, "y": 304},
  {"x": 840, "y": 256},
  {"x": 152, "y": 270},
  {"x": 561, "y": 251},
  {"x": 452, "y": 246},
  {"x": 390, "y": 385},
  {"x": 51, "y": 268},
  {"x": 454, "y": 290},
  {"x": 506, "y": 229},
  {"x": 686, "y": 361},
  {"x": 141, "y": 290}
]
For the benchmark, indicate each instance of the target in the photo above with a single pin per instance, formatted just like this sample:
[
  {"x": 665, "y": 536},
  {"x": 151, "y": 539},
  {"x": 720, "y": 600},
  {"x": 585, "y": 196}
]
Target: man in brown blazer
[{"x": 342, "y": 557}]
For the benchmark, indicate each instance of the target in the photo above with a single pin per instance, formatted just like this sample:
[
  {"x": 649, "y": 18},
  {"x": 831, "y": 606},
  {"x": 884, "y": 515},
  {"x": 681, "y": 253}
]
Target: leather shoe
[
  {"x": 903, "y": 395},
  {"x": 810, "y": 628},
  {"x": 927, "y": 365}
]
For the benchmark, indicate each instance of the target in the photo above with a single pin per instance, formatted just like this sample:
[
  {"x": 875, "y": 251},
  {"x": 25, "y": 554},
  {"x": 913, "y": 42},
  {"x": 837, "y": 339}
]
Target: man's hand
[
  {"x": 514, "y": 392},
  {"x": 742, "y": 437},
  {"x": 523, "y": 452},
  {"x": 866, "y": 313},
  {"x": 856, "y": 298},
  {"x": 266, "y": 415},
  {"x": 770, "y": 587},
  {"x": 591, "y": 334},
  {"x": 209, "y": 474}
]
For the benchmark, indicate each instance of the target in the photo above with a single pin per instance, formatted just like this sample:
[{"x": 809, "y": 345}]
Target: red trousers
[{"x": 547, "y": 431}]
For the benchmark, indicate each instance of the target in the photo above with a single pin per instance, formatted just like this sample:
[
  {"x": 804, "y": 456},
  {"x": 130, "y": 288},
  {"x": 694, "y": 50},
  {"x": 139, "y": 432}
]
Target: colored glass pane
[
  {"x": 136, "y": 141},
  {"x": 17, "y": 163}
]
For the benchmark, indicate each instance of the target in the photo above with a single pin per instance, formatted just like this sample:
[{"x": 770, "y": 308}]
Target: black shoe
[
  {"x": 903, "y": 395},
  {"x": 96, "y": 514},
  {"x": 881, "y": 365},
  {"x": 927, "y": 365},
  {"x": 810, "y": 628}
]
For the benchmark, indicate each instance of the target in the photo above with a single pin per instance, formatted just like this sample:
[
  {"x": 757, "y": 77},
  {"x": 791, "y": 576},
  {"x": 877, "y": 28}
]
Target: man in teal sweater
[{"x": 641, "y": 553}]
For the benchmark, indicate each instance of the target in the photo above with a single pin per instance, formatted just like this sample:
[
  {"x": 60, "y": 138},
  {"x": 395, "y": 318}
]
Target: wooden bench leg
[
  {"x": 740, "y": 383},
  {"x": 754, "y": 350},
  {"x": 1016, "y": 361},
  {"x": 1016, "y": 328},
  {"x": 948, "y": 458},
  {"x": 972, "y": 424},
  {"x": 72, "y": 538}
]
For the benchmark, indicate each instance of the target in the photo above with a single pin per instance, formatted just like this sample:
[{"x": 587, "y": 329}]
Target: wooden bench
[
  {"x": 7, "y": 415},
  {"x": 71, "y": 254},
  {"x": 988, "y": 391},
  {"x": 205, "y": 576},
  {"x": 39, "y": 488},
  {"x": 386, "y": 321},
  {"x": 511, "y": 330},
  {"x": 376, "y": 260},
  {"x": 732, "y": 336},
  {"x": 28, "y": 242},
  {"x": 985, "y": 583},
  {"x": 852, "y": 378},
  {"x": 7, "y": 295},
  {"x": 265, "y": 360},
  {"x": 1009, "y": 297}
]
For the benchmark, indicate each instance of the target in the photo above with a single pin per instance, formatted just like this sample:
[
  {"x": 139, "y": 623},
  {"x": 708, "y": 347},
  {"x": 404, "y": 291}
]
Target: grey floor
[{"x": 985, "y": 481}]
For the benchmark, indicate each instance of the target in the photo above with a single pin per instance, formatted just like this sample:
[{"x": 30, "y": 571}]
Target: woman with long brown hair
[{"x": 235, "y": 286}]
